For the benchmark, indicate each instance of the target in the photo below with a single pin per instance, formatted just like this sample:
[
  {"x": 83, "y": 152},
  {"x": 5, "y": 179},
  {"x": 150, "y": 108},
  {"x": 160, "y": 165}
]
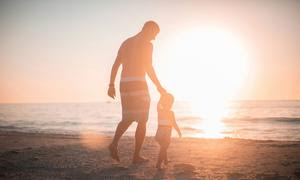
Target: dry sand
[{"x": 85, "y": 156}]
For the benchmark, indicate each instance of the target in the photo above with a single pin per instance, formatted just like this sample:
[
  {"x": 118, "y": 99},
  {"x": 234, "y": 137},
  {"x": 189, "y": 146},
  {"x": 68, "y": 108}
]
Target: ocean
[{"x": 261, "y": 120}]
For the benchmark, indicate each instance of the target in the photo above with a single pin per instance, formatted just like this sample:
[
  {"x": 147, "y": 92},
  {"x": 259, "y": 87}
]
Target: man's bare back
[{"x": 135, "y": 54}]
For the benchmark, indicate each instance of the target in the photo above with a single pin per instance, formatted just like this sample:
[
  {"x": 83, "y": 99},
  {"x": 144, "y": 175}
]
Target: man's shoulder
[
  {"x": 128, "y": 40},
  {"x": 136, "y": 39}
]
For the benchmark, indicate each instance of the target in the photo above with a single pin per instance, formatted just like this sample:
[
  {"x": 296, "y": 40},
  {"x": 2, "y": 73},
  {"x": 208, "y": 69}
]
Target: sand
[{"x": 85, "y": 156}]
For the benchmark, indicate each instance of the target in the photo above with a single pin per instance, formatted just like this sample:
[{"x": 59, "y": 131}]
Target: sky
[{"x": 62, "y": 50}]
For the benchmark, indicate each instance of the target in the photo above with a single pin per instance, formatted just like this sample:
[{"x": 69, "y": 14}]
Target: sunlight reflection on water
[{"x": 211, "y": 124}]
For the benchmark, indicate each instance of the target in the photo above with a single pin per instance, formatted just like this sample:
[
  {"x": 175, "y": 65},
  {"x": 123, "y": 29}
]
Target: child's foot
[
  {"x": 139, "y": 159},
  {"x": 166, "y": 161},
  {"x": 158, "y": 167},
  {"x": 114, "y": 152}
]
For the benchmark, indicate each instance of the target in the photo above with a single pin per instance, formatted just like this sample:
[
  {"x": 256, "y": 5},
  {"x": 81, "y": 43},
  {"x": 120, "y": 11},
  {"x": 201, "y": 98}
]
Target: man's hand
[{"x": 111, "y": 92}]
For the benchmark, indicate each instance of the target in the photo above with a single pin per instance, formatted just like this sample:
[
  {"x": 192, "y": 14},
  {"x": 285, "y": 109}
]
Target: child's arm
[{"x": 175, "y": 125}]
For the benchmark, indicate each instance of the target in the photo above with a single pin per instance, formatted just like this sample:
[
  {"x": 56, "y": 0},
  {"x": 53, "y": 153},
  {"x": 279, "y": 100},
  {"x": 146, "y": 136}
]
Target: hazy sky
[{"x": 62, "y": 50}]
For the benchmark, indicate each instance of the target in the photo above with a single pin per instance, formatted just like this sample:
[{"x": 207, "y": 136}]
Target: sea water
[{"x": 263, "y": 120}]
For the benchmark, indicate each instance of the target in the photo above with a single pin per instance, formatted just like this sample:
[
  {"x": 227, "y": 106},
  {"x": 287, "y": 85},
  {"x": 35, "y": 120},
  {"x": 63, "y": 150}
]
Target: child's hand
[{"x": 179, "y": 134}]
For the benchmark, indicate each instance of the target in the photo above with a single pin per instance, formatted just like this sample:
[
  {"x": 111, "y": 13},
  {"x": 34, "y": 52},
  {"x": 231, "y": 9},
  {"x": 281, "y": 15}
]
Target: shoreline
[
  {"x": 85, "y": 156},
  {"x": 110, "y": 135}
]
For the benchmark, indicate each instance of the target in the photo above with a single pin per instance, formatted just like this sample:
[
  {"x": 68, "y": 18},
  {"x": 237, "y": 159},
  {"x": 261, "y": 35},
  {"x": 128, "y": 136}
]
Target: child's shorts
[{"x": 163, "y": 134}]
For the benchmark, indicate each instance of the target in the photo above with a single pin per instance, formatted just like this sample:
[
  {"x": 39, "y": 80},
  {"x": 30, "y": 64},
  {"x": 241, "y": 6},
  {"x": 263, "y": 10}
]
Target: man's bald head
[
  {"x": 151, "y": 26},
  {"x": 150, "y": 30}
]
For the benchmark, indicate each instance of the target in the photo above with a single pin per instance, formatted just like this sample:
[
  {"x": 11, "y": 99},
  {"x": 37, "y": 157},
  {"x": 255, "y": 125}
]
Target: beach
[
  {"x": 85, "y": 156},
  {"x": 84, "y": 83}
]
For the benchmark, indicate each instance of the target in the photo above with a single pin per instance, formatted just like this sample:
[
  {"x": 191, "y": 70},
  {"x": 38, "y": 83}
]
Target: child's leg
[
  {"x": 166, "y": 161},
  {"x": 166, "y": 153},
  {"x": 160, "y": 157}
]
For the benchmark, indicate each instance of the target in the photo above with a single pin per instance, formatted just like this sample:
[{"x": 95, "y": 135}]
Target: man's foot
[
  {"x": 139, "y": 159},
  {"x": 114, "y": 152}
]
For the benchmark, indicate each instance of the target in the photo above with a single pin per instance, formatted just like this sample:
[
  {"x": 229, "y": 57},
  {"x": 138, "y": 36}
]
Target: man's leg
[
  {"x": 113, "y": 147},
  {"x": 139, "y": 139}
]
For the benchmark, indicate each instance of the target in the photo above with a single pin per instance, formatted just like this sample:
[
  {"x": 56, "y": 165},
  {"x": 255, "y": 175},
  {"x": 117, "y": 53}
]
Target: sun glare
[{"x": 208, "y": 66}]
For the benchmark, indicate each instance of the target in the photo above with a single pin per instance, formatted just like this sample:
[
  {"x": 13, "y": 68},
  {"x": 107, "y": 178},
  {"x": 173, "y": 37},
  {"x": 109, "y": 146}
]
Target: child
[{"x": 166, "y": 121}]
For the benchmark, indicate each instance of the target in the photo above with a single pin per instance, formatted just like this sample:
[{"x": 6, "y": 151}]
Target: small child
[{"x": 166, "y": 121}]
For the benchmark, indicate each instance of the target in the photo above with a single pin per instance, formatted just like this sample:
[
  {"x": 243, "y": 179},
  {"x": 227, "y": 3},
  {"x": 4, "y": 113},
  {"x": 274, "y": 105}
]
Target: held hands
[
  {"x": 179, "y": 134},
  {"x": 111, "y": 91},
  {"x": 161, "y": 90}
]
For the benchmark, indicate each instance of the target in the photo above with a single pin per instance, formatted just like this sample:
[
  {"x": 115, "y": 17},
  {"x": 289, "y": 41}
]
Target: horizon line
[{"x": 114, "y": 101}]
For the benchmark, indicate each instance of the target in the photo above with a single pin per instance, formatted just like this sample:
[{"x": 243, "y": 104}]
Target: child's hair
[{"x": 166, "y": 101}]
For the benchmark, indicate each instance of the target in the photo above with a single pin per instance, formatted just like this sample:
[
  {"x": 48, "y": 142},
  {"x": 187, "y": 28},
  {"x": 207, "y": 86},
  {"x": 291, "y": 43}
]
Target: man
[{"x": 135, "y": 55}]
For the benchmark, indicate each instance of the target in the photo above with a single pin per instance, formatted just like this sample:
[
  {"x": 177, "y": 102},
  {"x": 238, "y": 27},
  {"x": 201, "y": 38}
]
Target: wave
[
  {"x": 285, "y": 120},
  {"x": 188, "y": 118},
  {"x": 9, "y": 127},
  {"x": 288, "y": 120},
  {"x": 191, "y": 129}
]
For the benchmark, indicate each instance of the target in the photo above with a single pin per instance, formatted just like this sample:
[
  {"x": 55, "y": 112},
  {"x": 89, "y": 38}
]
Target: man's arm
[
  {"x": 151, "y": 72},
  {"x": 111, "y": 90}
]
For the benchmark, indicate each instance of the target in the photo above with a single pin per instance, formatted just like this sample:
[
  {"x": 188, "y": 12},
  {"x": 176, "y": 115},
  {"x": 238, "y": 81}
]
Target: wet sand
[{"x": 85, "y": 156}]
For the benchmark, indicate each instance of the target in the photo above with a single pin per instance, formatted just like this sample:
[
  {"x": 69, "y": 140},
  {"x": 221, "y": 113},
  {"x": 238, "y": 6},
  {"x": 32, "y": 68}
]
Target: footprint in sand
[
  {"x": 271, "y": 177},
  {"x": 297, "y": 173},
  {"x": 234, "y": 176},
  {"x": 117, "y": 172},
  {"x": 184, "y": 171},
  {"x": 113, "y": 170},
  {"x": 184, "y": 167}
]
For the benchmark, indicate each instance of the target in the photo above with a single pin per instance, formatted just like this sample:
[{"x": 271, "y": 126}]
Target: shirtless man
[{"x": 135, "y": 55}]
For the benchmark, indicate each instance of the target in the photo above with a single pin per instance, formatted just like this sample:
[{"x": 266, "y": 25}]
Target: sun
[{"x": 207, "y": 66}]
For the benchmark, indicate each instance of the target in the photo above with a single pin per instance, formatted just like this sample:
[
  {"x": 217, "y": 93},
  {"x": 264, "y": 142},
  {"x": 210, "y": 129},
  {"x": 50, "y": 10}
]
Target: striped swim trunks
[{"x": 135, "y": 99}]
